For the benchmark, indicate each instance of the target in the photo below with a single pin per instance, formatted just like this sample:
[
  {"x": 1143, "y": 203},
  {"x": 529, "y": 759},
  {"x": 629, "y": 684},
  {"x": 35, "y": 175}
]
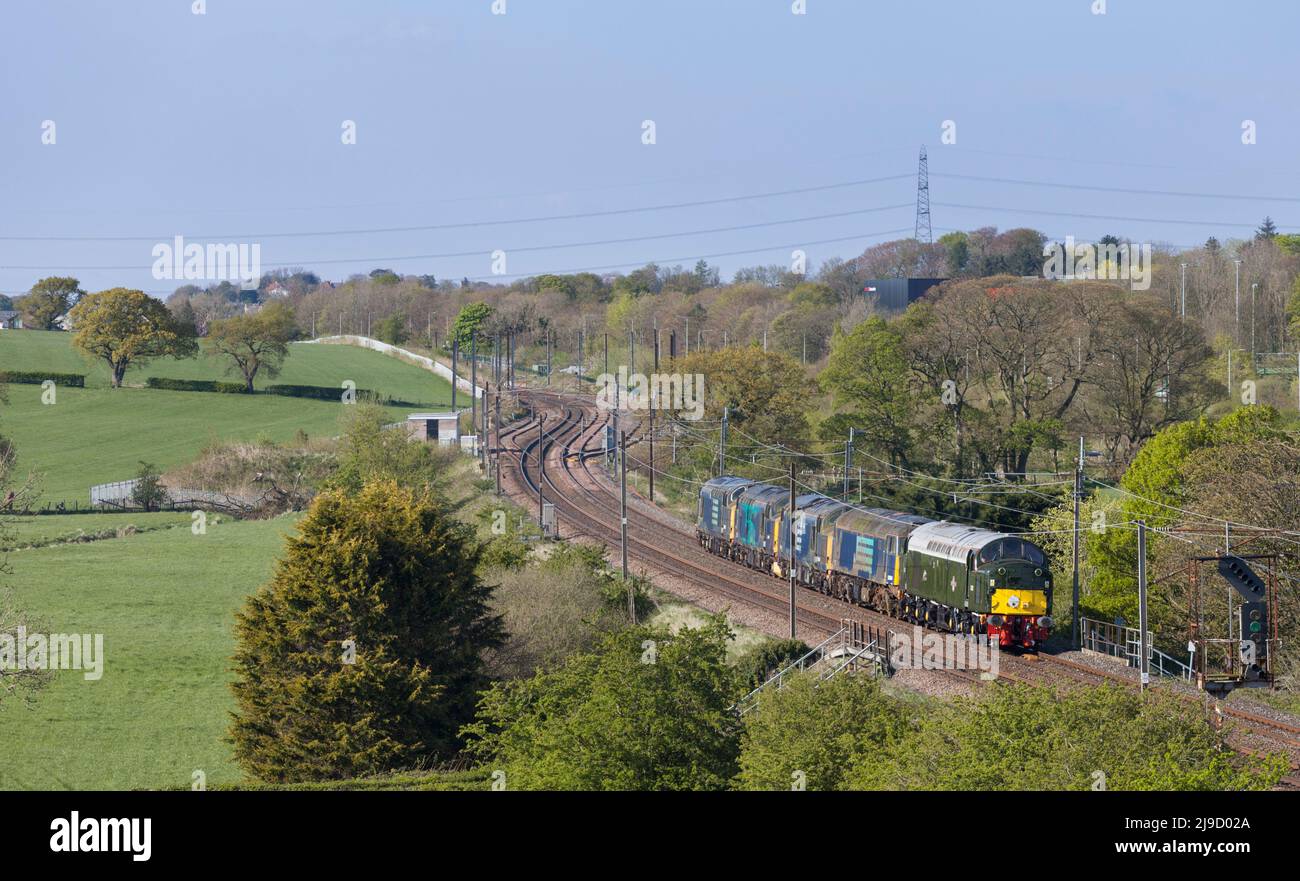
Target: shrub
[
  {"x": 647, "y": 710},
  {"x": 148, "y": 492}
]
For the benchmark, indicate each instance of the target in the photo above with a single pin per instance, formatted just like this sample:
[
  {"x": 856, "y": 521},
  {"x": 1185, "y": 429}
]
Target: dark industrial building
[{"x": 895, "y": 294}]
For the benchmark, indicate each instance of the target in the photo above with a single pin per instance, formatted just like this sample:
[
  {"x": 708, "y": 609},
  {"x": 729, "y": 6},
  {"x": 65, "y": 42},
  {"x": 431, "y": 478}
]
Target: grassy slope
[
  {"x": 164, "y": 602},
  {"x": 97, "y": 435},
  {"x": 44, "y": 529},
  {"x": 307, "y": 364}
]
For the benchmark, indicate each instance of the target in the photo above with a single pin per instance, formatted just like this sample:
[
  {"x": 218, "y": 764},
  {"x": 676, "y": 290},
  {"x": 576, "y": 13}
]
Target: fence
[
  {"x": 1125, "y": 643},
  {"x": 119, "y": 496},
  {"x": 854, "y": 645}
]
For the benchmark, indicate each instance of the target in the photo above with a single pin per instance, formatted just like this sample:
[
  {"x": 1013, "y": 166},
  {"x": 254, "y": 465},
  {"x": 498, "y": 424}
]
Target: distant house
[
  {"x": 275, "y": 291},
  {"x": 10, "y": 319}
]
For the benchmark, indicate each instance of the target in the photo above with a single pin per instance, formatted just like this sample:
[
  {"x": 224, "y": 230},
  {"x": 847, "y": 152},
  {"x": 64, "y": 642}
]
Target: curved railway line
[{"x": 587, "y": 503}]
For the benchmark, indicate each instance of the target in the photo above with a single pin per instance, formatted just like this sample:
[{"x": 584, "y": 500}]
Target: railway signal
[
  {"x": 1253, "y": 619},
  {"x": 1243, "y": 579}
]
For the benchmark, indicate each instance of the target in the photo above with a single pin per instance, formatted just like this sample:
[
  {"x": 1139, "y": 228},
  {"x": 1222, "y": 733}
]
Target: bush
[
  {"x": 647, "y": 710},
  {"x": 31, "y": 377},
  {"x": 809, "y": 733},
  {"x": 367, "y": 452},
  {"x": 1038, "y": 739},
  {"x": 148, "y": 492},
  {"x": 194, "y": 385},
  {"x": 768, "y": 658},
  {"x": 556, "y": 607},
  {"x": 363, "y": 654}
]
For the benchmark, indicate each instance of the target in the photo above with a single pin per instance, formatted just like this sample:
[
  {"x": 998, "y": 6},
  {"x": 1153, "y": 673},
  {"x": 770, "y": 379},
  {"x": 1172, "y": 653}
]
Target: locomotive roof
[
  {"x": 819, "y": 506},
  {"x": 880, "y": 521},
  {"x": 727, "y": 483},
  {"x": 764, "y": 492},
  {"x": 951, "y": 541}
]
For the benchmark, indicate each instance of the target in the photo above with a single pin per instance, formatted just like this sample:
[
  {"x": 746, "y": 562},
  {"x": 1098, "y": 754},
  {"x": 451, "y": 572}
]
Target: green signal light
[{"x": 1255, "y": 627}]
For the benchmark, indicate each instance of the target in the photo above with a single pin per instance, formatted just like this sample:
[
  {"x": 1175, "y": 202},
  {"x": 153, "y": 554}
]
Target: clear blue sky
[{"x": 228, "y": 124}]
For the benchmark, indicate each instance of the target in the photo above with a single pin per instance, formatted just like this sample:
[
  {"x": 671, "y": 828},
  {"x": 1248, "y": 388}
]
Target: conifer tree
[{"x": 363, "y": 654}]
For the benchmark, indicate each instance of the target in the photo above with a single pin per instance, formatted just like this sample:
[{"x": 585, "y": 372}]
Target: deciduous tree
[
  {"x": 125, "y": 327},
  {"x": 256, "y": 343}
]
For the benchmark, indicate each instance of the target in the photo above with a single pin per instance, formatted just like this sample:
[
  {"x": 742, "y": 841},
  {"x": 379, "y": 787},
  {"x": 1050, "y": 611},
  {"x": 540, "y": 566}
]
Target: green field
[
  {"x": 99, "y": 435},
  {"x": 307, "y": 364},
  {"x": 165, "y": 603},
  {"x": 37, "y": 530}
]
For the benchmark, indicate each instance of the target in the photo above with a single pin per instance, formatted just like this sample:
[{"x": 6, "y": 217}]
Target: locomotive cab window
[{"x": 1012, "y": 549}]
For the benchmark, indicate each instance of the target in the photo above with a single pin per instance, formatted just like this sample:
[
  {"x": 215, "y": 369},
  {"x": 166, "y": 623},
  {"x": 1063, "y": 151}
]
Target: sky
[{"x": 525, "y": 131}]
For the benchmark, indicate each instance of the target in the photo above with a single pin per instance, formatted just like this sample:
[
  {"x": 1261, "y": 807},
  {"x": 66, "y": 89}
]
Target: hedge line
[
  {"x": 316, "y": 392},
  {"x": 69, "y": 380},
  {"x": 195, "y": 385}
]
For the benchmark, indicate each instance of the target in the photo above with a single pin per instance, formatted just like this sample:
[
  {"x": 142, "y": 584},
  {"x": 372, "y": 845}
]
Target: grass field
[
  {"x": 99, "y": 435},
  {"x": 307, "y": 364},
  {"x": 165, "y": 603},
  {"x": 45, "y": 529}
]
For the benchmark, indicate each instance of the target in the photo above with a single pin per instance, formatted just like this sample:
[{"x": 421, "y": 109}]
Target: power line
[
  {"x": 1100, "y": 189},
  {"x": 613, "y": 212},
  {"x": 524, "y": 249},
  {"x": 1100, "y": 216}
]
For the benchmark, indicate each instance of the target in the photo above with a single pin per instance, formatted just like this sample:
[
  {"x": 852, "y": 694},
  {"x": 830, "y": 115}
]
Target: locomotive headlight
[
  {"x": 995, "y": 620},
  {"x": 1014, "y": 601},
  {"x": 1046, "y": 622},
  {"x": 1038, "y": 573}
]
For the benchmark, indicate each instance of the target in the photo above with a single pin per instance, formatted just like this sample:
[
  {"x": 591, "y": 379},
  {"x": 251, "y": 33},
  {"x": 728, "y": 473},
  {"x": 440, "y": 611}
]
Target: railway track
[{"x": 587, "y": 501}]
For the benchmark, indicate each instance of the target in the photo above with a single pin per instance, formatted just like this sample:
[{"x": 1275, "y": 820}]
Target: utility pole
[
  {"x": 541, "y": 466},
  {"x": 672, "y": 344},
  {"x": 1074, "y": 594},
  {"x": 455, "y": 351},
  {"x": 1237, "y": 298},
  {"x": 1143, "y": 648},
  {"x": 622, "y": 511},
  {"x": 581, "y": 362},
  {"x": 654, "y": 400},
  {"x": 848, "y": 463},
  {"x": 791, "y": 560},
  {"x": 1182, "y": 272},
  {"x": 1253, "y": 285},
  {"x": 473, "y": 380},
  {"x": 548, "y": 356},
  {"x": 1227, "y": 549},
  {"x": 722, "y": 442},
  {"x": 483, "y": 430},
  {"x": 496, "y": 447}
]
